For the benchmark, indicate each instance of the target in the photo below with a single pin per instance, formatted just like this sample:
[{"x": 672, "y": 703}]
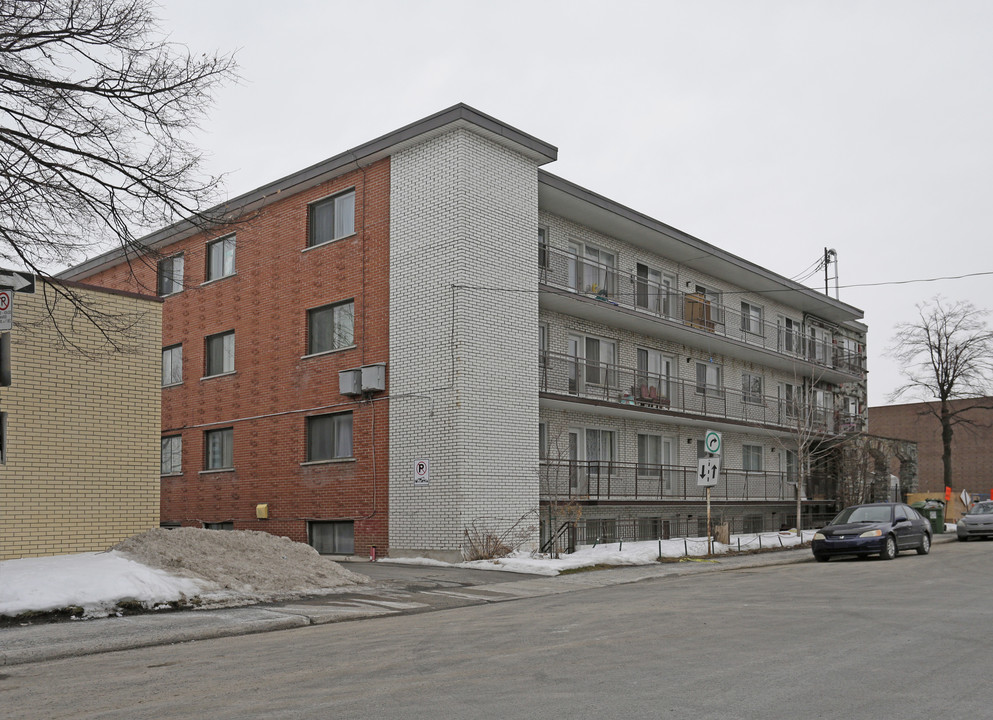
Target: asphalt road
[{"x": 846, "y": 639}]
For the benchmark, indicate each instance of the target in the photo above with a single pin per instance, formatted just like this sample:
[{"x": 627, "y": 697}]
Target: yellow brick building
[{"x": 83, "y": 448}]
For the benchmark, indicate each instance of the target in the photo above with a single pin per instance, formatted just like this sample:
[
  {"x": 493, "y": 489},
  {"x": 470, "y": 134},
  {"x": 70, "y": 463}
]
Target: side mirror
[{"x": 900, "y": 520}]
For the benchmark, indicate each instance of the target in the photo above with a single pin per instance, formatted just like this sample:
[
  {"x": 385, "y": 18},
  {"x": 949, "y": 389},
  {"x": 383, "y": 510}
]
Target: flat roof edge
[{"x": 581, "y": 193}]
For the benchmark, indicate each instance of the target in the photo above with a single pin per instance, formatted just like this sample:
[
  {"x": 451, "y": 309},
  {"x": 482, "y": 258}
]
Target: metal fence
[{"x": 699, "y": 310}]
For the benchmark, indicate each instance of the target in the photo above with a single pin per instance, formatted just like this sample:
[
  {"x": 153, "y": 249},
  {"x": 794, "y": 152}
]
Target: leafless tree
[
  {"x": 96, "y": 109},
  {"x": 946, "y": 354}
]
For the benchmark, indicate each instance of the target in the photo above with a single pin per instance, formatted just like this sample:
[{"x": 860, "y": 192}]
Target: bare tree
[
  {"x": 946, "y": 354},
  {"x": 96, "y": 107}
]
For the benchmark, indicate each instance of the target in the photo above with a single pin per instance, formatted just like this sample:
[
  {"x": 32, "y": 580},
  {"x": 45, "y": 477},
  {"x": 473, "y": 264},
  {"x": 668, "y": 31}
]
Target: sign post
[{"x": 710, "y": 470}]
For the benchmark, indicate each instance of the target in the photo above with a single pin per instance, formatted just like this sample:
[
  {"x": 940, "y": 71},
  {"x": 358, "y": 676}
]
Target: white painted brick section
[{"x": 463, "y": 340}]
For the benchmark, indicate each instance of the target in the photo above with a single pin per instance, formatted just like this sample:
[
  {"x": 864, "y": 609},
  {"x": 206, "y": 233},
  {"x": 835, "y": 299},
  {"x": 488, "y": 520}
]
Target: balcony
[
  {"x": 632, "y": 389},
  {"x": 694, "y": 311},
  {"x": 572, "y": 480}
]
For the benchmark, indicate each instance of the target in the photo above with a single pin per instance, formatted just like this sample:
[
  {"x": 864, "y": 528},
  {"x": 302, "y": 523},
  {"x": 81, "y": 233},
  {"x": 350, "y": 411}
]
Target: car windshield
[
  {"x": 863, "y": 513},
  {"x": 985, "y": 508}
]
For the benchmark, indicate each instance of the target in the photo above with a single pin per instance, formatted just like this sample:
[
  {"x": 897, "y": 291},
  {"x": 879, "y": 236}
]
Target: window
[
  {"x": 751, "y": 388},
  {"x": 751, "y": 458},
  {"x": 329, "y": 437},
  {"x": 592, "y": 270},
  {"x": 220, "y": 258},
  {"x": 594, "y": 363},
  {"x": 600, "y": 530},
  {"x": 171, "y": 275},
  {"x": 172, "y": 365},
  {"x": 219, "y": 449},
  {"x": 708, "y": 379},
  {"x": 332, "y": 537},
  {"x": 789, "y": 335},
  {"x": 543, "y": 343},
  {"x": 332, "y": 218},
  {"x": 752, "y": 524},
  {"x": 542, "y": 441},
  {"x": 219, "y": 354},
  {"x": 653, "y": 289},
  {"x": 654, "y": 457},
  {"x": 791, "y": 466},
  {"x": 542, "y": 248},
  {"x": 600, "y": 450},
  {"x": 789, "y": 400},
  {"x": 218, "y": 525},
  {"x": 331, "y": 327},
  {"x": 172, "y": 455},
  {"x": 651, "y": 528},
  {"x": 652, "y": 382},
  {"x": 819, "y": 345},
  {"x": 751, "y": 318}
]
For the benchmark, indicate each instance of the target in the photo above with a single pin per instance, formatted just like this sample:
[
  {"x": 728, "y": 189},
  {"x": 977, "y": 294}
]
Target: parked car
[
  {"x": 978, "y": 522},
  {"x": 882, "y": 529}
]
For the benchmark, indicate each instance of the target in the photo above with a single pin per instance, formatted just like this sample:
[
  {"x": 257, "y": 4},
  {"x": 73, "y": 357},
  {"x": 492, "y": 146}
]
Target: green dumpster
[{"x": 933, "y": 511}]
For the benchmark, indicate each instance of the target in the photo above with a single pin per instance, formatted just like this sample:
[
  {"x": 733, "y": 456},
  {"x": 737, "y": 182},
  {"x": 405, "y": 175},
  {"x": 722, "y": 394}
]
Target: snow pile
[
  {"x": 96, "y": 582},
  {"x": 628, "y": 553},
  {"x": 205, "y": 568}
]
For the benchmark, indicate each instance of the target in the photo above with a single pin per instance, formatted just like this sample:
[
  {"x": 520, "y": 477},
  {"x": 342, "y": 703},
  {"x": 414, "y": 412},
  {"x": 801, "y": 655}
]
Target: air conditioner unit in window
[
  {"x": 374, "y": 377},
  {"x": 350, "y": 381}
]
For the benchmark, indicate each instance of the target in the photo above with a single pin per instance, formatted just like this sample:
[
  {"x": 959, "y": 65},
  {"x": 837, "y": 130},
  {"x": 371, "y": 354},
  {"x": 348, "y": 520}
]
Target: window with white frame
[
  {"x": 592, "y": 269},
  {"x": 332, "y": 218},
  {"x": 219, "y": 449},
  {"x": 542, "y": 441},
  {"x": 594, "y": 362},
  {"x": 708, "y": 379},
  {"x": 170, "y": 275},
  {"x": 220, "y": 258},
  {"x": 752, "y": 524},
  {"x": 789, "y": 400},
  {"x": 712, "y": 299},
  {"x": 654, "y": 290},
  {"x": 219, "y": 354},
  {"x": 792, "y": 465},
  {"x": 172, "y": 455},
  {"x": 654, "y": 370},
  {"x": 751, "y": 388},
  {"x": 543, "y": 343},
  {"x": 655, "y": 456},
  {"x": 751, "y": 458},
  {"x": 601, "y": 450},
  {"x": 331, "y": 327},
  {"x": 789, "y": 335},
  {"x": 751, "y": 318},
  {"x": 332, "y": 537},
  {"x": 819, "y": 349},
  {"x": 172, "y": 365},
  {"x": 329, "y": 437}
]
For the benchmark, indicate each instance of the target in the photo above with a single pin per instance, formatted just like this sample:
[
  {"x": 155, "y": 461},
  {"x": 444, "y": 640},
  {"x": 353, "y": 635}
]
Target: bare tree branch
[
  {"x": 96, "y": 108},
  {"x": 945, "y": 355}
]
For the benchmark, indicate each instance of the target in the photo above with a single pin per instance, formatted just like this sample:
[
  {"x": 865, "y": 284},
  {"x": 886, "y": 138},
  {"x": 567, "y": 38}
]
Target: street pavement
[{"x": 396, "y": 589}]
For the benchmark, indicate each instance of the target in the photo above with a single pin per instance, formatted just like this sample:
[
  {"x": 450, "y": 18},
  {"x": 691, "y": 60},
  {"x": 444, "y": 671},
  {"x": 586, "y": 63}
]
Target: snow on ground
[{"x": 214, "y": 568}]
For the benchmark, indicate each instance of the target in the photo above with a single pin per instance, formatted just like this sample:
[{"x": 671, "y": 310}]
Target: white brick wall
[{"x": 463, "y": 342}]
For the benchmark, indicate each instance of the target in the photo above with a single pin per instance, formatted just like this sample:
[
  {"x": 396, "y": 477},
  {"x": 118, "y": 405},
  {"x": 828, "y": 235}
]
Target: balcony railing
[
  {"x": 567, "y": 480},
  {"x": 696, "y": 310},
  {"x": 570, "y": 376}
]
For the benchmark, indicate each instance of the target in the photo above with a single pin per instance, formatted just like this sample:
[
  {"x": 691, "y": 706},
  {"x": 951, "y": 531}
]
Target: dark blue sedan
[{"x": 882, "y": 529}]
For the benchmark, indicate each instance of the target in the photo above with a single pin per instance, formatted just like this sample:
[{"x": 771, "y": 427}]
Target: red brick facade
[
  {"x": 972, "y": 448},
  {"x": 274, "y": 386}
]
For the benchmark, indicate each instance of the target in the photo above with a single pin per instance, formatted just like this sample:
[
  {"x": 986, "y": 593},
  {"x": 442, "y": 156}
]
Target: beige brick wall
[{"x": 83, "y": 447}]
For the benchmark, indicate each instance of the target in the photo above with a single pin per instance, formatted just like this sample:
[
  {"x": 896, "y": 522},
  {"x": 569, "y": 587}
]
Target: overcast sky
[{"x": 769, "y": 129}]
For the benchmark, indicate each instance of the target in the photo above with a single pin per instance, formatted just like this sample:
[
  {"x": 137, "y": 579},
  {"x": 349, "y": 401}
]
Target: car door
[{"x": 907, "y": 531}]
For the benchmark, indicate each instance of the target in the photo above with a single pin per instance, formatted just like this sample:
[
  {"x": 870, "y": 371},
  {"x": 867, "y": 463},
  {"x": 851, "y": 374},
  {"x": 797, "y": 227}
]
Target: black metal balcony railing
[
  {"x": 566, "y": 270},
  {"x": 565, "y": 375},
  {"x": 566, "y": 480}
]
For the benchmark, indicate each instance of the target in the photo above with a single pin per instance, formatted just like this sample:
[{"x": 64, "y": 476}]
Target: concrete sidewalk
[{"x": 411, "y": 592}]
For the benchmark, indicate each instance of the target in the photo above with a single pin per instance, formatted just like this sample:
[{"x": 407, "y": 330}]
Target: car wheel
[
  {"x": 963, "y": 538},
  {"x": 821, "y": 558},
  {"x": 889, "y": 549},
  {"x": 925, "y": 546}
]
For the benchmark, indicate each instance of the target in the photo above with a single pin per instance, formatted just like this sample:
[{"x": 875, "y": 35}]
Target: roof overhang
[
  {"x": 568, "y": 200},
  {"x": 455, "y": 117}
]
